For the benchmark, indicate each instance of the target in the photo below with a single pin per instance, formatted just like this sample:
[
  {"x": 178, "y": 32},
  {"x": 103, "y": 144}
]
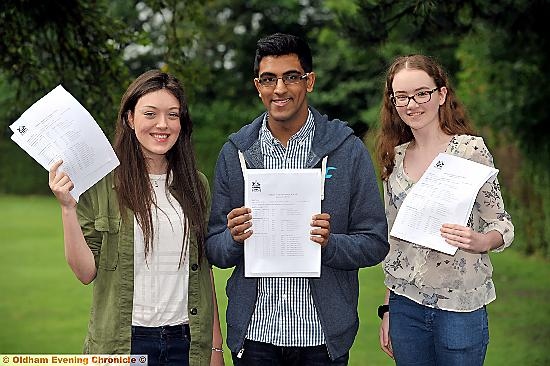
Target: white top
[{"x": 160, "y": 283}]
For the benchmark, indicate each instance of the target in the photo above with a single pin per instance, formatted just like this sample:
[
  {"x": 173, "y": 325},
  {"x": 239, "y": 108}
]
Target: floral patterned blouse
[{"x": 460, "y": 282}]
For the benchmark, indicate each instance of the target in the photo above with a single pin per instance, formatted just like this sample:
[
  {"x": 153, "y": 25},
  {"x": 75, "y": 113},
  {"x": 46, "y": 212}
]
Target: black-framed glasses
[
  {"x": 269, "y": 81},
  {"x": 421, "y": 97}
]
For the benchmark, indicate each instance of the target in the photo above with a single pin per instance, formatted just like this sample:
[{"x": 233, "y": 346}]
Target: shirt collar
[{"x": 303, "y": 133}]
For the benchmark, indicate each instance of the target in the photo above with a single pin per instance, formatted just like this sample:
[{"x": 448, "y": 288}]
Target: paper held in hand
[
  {"x": 57, "y": 127},
  {"x": 445, "y": 194},
  {"x": 283, "y": 202}
]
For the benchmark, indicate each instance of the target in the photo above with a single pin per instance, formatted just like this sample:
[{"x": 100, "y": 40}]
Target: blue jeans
[
  {"x": 423, "y": 336},
  {"x": 164, "y": 346},
  {"x": 266, "y": 354}
]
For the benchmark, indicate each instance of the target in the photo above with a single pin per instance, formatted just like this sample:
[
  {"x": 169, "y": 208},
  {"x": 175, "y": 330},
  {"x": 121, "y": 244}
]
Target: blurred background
[{"x": 495, "y": 52}]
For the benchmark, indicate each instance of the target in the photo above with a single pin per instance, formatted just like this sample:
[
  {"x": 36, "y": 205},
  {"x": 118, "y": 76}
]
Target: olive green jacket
[{"x": 110, "y": 237}]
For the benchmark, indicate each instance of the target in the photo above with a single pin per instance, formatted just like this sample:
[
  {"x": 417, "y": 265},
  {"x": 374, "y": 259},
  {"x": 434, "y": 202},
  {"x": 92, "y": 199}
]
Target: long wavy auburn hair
[
  {"x": 132, "y": 182},
  {"x": 453, "y": 118}
]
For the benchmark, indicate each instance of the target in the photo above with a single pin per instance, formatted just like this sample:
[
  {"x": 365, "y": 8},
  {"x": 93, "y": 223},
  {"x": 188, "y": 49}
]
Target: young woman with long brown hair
[{"x": 139, "y": 234}]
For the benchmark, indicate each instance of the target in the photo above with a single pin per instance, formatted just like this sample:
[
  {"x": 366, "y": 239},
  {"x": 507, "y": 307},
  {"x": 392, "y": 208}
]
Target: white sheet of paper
[
  {"x": 282, "y": 203},
  {"x": 58, "y": 127},
  {"x": 445, "y": 194}
]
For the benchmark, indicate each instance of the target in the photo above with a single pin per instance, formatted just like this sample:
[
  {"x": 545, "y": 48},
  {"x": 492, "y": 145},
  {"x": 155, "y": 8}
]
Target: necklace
[{"x": 156, "y": 178}]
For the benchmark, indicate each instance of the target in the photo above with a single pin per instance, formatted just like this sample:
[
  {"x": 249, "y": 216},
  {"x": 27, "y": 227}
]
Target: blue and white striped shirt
[{"x": 285, "y": 314}]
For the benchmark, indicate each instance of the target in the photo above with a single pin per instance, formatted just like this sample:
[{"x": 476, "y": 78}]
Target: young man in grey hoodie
[{"x": 296, "y": 321}]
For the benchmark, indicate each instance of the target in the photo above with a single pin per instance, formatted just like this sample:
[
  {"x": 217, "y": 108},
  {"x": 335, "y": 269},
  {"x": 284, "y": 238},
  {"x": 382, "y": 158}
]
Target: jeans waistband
[{"x": 165, "y": 330}]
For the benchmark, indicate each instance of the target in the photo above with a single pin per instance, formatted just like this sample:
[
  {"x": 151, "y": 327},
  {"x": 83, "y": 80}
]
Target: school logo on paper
[
  {"x": 439, "y": 164},
  {"x": 256, "y": 187},
  {"x": 22, "y": 129}
]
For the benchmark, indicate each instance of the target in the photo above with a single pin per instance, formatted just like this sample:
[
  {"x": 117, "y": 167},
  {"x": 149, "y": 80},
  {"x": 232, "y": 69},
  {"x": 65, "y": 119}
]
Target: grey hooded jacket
[{"x": 358, "y": 228}]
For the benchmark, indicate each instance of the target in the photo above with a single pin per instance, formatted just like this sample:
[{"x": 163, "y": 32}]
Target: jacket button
[
  {"x": 194, "y": 267},
  {"x": 194, "y": 311}
]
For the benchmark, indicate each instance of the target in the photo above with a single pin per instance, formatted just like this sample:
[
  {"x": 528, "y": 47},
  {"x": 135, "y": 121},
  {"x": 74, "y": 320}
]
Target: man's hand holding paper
[
  {"x": 239, "y": 222},
  {"x": 321, "y": 231}
]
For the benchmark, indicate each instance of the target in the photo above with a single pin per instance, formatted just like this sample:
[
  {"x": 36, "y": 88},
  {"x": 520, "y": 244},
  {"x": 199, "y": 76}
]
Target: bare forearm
[
  {"x": 495, "y": 239},
  {"x": 77, "y": 253},
  {"x": 217, "y": 339}
]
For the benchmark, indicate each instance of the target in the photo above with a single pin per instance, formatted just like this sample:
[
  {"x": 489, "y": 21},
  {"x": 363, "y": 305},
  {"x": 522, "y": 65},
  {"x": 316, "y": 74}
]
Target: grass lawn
[{"x": 44, "y": 308}]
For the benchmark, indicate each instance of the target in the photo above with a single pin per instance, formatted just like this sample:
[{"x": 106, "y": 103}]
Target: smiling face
[
  {"x": 409, "y": 82},
  {"x": 156, "y": 123},
  {"x": 286, "y": 104}
]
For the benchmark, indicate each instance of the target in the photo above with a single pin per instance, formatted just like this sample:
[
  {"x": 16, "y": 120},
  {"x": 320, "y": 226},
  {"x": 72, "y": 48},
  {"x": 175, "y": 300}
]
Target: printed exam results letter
[
  {"x": 282, "y": 203},
  {"x": 58, "y": 127}
]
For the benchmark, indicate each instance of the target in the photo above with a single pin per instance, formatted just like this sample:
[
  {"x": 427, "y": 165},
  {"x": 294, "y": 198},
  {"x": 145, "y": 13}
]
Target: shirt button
[
  {"x": 193, "y": 311},
  {"x": 194, "y": 267}
]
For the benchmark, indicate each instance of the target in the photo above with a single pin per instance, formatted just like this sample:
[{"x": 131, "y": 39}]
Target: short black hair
[{"x": 280, "y": 44}]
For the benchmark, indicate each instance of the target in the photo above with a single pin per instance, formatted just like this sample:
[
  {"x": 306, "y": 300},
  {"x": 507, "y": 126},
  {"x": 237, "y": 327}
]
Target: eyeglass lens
[
  {"x": 291, "y": 78},
  {"x": 420, "y": 98}
]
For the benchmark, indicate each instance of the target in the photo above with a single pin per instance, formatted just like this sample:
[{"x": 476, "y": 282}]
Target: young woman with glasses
[{"x": 434, "y": 309}]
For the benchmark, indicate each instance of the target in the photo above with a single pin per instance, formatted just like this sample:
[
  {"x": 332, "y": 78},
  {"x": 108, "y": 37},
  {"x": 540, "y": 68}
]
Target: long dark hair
[
  {"x": 133, "y": 185},
  {"x": 453, "y": 118}
]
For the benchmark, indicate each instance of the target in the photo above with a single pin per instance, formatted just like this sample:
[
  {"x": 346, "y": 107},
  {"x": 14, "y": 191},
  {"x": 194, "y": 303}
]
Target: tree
[
  {"x": 63, "y": 42},
  {"x": 514, "y": 58}
]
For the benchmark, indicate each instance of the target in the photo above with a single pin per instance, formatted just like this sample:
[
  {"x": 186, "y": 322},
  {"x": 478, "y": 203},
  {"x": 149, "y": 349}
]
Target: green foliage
[
  {"x": 495, "y": 53},
  {"x": 499, "y": 94},
  {"x": 169, "y": 36},
  {"x": 213, "y": 123},
  {"x": 342, "y": 89},
  {"x": 511, "y": 97},
  {"x": 73, "y": 43},
  {"x": 19, "y": 173}
]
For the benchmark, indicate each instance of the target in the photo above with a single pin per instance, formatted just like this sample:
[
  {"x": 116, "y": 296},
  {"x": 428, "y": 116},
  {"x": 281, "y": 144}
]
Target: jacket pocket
[{"x": 109, "y": 228}]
